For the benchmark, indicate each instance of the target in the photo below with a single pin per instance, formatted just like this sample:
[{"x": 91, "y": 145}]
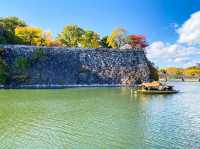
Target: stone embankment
[{"x": 49, "y": 66}]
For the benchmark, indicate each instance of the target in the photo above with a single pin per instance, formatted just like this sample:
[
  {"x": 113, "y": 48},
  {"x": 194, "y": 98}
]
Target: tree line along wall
[{"x": 31, "y": 65}]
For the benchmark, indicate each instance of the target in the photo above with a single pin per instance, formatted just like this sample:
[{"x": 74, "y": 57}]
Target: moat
[{"x": 99, "y": 118}]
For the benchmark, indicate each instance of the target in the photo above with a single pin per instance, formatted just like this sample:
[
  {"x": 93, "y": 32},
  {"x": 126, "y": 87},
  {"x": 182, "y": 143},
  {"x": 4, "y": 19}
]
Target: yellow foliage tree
[
  {"x": 95, "y": 41},
  {"x": 46, "y": 39},
  {"x": 71, "y": 36},
  {"x": 55, "y": 43},
  {"x": 192, "y": 71},
  {"x": 90, "y": 39},
  {"x": 174, "y": 71},
  {"x": 118, "y": 38},
  {"x": 29, "y": 35}
]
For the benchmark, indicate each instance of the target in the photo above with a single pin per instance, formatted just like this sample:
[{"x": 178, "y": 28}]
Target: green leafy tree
[
  {"x": 12, "y": 22},
  {"x": 2, "y": 34},
  {"x": 104, "y": 43},
  {"x": 90, "y": 39},
  {"x": 118, "y": 38},
  {"x": 6, "y": 36},
  {"x": 7, "y": 29},
  {"x": 71, "y": 36}
]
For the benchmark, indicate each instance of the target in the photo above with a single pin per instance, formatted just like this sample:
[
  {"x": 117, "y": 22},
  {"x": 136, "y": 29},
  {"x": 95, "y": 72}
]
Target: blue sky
[{"x": 157, "y": 19}]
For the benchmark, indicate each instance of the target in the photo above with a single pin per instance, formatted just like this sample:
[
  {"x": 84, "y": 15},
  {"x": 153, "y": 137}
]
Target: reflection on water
[{"x": 99, "y": 118}]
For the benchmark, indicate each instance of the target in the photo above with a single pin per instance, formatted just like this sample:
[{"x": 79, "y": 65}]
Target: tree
[
  {"x": 46, "y": 39},
  {"x": 164, "y": 72},
  {"x": 12, "y": 22},
  {"x": 154, "y": 76},
  {"x": 29, "y": 35},
  {"x": 90, "y": 39},
  {"x": 95, "y": 41},
  {"x": 71, "y": 36},
  {"x": 55, "y": 43},
  {"x": 179, "y": 73},
  {"x": 104, "y": 43},
  {"x": 7, "y": 29},
  {"x": 118, "y": 38},
  {"x": 2, "y": 34},
  {"x": 192, "y": 71},
  {"x": 137, "y": 41}
]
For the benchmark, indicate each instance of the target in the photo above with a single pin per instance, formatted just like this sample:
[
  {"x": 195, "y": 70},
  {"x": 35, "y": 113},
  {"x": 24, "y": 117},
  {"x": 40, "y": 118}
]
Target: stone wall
[{"x": 29, "y": 65}]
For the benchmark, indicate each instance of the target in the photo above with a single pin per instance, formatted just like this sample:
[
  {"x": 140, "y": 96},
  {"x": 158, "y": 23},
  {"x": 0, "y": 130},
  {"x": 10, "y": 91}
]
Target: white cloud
[
  {"x": 172, "y": 54},
  {"x": 189, "y": 32},
  {"x": 182, "y": 59},
  {"x": 184, "y": 52}
]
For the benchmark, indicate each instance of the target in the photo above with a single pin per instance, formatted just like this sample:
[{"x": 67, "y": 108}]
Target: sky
[{"x": 171, "y": 27}]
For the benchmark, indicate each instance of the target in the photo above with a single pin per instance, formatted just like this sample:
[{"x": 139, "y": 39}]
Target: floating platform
[{"x": 156, "y": 92}]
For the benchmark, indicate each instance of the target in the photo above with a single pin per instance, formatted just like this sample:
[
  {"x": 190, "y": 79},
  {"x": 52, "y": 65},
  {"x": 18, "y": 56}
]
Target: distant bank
[{"x": 180, "y": 80}]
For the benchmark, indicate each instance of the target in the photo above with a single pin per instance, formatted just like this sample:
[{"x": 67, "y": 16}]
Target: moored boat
[{"x": 155, "y": 88}]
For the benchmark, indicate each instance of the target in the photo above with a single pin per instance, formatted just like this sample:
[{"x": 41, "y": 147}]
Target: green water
[{"x": 103, "y": 118}]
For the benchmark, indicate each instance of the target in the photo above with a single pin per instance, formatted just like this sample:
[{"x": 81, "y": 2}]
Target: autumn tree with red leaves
[{"x": 138, "y": 41}]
